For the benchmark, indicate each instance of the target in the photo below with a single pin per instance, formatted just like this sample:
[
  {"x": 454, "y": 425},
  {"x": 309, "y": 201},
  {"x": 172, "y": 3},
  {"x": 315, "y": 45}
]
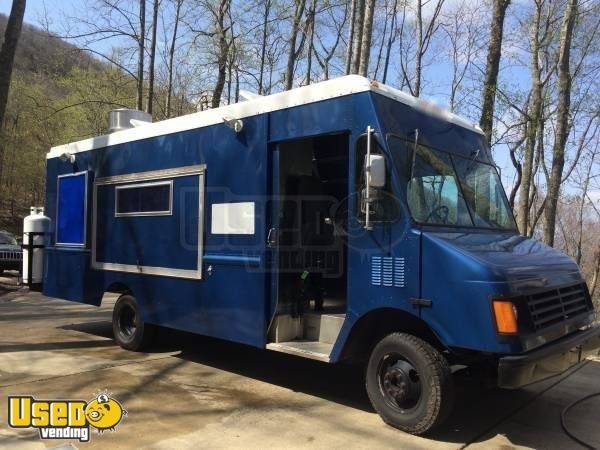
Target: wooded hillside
[{"x": 58, "y": 94}]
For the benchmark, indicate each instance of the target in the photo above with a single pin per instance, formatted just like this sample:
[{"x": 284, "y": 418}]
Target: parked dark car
[{"x": 11, "y": 253}]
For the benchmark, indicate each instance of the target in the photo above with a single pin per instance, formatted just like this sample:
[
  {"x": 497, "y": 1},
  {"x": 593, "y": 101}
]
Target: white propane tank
[{"x": 35, "y": 222}]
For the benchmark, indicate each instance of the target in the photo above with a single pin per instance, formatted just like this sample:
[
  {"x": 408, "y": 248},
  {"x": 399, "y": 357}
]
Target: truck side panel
[{"x": 229, "y": 301}]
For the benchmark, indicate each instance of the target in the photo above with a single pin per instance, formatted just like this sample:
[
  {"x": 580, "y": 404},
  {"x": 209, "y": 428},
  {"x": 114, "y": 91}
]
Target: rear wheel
[
  {"x": 409, "y": 383},
  {"x": 130, "y": 331}
]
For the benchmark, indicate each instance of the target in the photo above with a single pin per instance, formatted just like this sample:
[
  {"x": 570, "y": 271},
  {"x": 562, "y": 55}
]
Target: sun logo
[{"x": 104, "y": 413}]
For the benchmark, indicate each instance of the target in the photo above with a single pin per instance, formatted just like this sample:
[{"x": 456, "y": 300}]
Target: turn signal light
[{"x": 506, "y": 317}]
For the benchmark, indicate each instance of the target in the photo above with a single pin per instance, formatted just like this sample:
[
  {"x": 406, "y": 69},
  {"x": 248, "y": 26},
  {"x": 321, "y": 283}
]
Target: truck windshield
[{"x": 446, "y": 189}]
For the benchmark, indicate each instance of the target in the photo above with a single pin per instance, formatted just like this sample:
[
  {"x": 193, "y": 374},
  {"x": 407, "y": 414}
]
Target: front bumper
[
  {"x": 10, "y": 265},
  {"x": 549, "y": 360}
]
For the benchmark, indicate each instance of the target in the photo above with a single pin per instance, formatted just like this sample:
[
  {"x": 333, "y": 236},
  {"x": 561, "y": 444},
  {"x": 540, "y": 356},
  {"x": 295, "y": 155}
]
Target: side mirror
[{"x": 375, "y": 170}]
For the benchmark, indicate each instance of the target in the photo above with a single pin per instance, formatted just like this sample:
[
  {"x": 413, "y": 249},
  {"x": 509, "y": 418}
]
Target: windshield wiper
[{"x": 414, "y": 155}]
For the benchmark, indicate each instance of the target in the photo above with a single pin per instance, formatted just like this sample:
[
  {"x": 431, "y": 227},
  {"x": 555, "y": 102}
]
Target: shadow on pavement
[{"x": 478, "y": 412}]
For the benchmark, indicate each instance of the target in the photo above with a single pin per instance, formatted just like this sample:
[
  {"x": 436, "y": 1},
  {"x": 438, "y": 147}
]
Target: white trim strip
[
  {"x": 347, "y": 85},
  {"x": 152, "y": 175},
  {"x": 149, "y": 270}
]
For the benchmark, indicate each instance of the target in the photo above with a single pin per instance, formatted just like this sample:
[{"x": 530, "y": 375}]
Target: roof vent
[{"x": 124, "y": 118}]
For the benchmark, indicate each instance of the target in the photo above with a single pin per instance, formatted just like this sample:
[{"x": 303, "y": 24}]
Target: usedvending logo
[{"x": 65, "y": 419}]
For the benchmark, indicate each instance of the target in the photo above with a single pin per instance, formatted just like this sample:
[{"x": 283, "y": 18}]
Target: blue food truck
[{"x": 344, "y": 221}]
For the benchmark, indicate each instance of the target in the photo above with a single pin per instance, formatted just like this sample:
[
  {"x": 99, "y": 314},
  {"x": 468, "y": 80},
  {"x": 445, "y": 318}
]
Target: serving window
[
  {"x": 150, "y": 223},
  {"x": 144, "y": 199}
]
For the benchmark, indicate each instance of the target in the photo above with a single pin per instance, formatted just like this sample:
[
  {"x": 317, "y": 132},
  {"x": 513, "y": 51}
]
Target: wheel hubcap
[
  {"x": 127, "y": 320},
  {"x": 399, "y": 383}
]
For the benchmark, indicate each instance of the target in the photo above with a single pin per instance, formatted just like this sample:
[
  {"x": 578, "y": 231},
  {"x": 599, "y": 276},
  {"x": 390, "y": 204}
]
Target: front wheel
[
  {"x": 409, "y": 383},
  {"x": 130, "y": 331}
]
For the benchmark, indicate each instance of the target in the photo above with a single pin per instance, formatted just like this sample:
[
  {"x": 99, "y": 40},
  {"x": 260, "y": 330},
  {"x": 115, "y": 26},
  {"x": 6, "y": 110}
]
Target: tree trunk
[
  {"x": 493, "y": 64},
  {"x": 171, "y": 57},
  {"x": 594, "y": 282},
  {"x": 351, "y": 31},
  {"x": 580, "y": 214},
  {"x": 382, "y": 44},
  {"x": 390, "y": 42},
  {"x": 311, "y": 40},
  {"x": 367, "y": 32},
  {"x": 533, "y": 125},
  {"x": 358, "y": 27},
  {"x": 562, "y": 121},
  {"x": 292, "y": 52},
  {"x": 263, "y": 48},
  {"x": 416, "y": 91},
  {"x": 7, "y": 53},
  {"x": 141, "y": 46},
  {"x": 150, "y": 100},
  {"x": 223, "y": 55}
]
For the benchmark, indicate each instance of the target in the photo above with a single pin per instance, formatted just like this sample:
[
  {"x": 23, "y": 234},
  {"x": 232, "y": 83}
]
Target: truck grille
[
  {"x": 10, "y": 256},
  {"x": 557, "y": 305}
]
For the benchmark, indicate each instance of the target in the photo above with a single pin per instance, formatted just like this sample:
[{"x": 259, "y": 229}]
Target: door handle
[{"x": 272, "y": 238}]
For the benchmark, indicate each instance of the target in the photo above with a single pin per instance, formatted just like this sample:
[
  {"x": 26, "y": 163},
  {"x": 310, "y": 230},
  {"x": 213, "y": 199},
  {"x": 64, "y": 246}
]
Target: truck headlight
[{"x": 506, "y": 316}]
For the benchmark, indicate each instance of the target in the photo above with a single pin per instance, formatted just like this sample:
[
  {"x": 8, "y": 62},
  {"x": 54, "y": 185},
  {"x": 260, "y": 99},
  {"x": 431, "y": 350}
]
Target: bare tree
[
  {"x": 141, "y": 46},
  {"x": 310, "y": 22},
  {"x": 178, "y": 4},
  {"x": 224, "y": 45},
  {"x": 7, "y": 54},
  {"x": 424, "y": 33},
  {"x": 293, "y": 51},
  {"x": 391, "y": 39},
  {"x": 460, "y": 26},
  {"x": 584, "y": 192},
  {"x": 150, "y": 99},
  {"x": 219, "y": 31},
  {"x": 562, "y": 120},
  {"x": 351, "y": 32},
  {"x": 492, "y": 67},
  {"x": 366, "y": 35},
  {"x": 325, "y": 55},
  {"x": 534, "y": 127},
  {"x": 359, "y": 20},
  {"x": 263, "y": 47}
]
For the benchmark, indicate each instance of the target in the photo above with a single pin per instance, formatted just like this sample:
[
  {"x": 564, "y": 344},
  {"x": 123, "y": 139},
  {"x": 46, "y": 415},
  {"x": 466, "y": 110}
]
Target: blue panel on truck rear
[
  {"x": 229, "y": 303},
  {"x": 67, "y": 275}
]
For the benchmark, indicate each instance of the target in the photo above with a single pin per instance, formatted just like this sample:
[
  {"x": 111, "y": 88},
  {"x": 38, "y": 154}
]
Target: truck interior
[{"x": 312, "y": 251}]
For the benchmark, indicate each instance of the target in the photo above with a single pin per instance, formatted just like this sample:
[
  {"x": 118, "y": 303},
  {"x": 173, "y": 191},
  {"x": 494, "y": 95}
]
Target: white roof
[{"x": 338, "y": 87}]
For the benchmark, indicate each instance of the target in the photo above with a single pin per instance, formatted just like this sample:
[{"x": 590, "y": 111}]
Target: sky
[
  {"x": 53, "y": 13},
  {"x": 35, "y": 9}
]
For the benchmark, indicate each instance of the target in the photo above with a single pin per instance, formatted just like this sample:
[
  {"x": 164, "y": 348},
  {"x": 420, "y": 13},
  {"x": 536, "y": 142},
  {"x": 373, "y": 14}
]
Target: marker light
[{"x": 506, "y": 317}]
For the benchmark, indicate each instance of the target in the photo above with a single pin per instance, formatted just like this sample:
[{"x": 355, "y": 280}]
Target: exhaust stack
[{"x": 124, "y": 118}]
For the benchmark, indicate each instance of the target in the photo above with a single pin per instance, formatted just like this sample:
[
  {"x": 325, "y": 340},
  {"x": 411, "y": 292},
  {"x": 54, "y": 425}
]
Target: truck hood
[
  {"x": 524, "y": 263},
  {"x": 9, "y": 247}
]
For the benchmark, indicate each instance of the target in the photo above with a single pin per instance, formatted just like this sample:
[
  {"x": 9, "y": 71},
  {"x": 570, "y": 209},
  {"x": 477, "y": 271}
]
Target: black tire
[
  {"x": 409, "y": 383},
  {"x": 130, "y": 332}
]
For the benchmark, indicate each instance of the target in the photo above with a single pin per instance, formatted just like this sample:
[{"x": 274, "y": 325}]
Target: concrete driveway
[{"x": 198, "y": 392}]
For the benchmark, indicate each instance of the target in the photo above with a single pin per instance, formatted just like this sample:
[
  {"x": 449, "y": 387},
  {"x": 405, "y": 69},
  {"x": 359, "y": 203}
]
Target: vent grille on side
[{"x": 387, "y": 271}]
